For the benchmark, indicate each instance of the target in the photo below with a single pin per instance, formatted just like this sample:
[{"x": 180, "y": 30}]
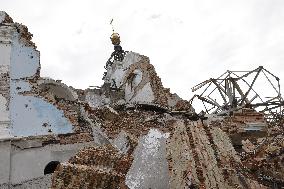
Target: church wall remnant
[{"x": 26, "y": 113}]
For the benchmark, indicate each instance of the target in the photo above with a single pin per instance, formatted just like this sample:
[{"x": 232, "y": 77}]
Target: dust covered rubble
[
  {"x": 146, "y": 137},
  {"x": 169, "y": 145}
]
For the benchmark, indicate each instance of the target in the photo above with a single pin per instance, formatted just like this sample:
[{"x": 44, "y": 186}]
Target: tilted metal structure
[{"x": 235, "y": 90}]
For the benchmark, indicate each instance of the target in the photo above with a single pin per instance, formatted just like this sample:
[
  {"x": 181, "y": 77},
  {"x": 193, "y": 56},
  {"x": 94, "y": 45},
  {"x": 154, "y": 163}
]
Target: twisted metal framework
[{"x": 235, "y": 90}]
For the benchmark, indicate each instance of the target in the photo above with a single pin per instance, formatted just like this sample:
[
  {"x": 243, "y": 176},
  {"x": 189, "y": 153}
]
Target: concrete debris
[
  {"x": 248, "y": 146},
  {"x": 131, "y": 132},
  {"x": 122, "y": 142},
  {"x": 242, "y": 125}
]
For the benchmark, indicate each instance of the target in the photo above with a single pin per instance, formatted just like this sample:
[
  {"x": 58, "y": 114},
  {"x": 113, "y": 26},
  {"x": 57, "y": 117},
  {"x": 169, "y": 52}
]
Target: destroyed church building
[{"x": 131, "y": 132}]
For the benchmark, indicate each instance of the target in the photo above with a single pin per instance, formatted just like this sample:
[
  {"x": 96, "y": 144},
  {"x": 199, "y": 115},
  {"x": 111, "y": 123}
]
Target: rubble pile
[
  {"x": 197, "y": 155},
  {"x": 171, "y": 146},
  {"x": 94, "y": 167},
  {"x": 241, "y": 122},
  {"x": 266, "y": 160},
  {"x": 134, "y": 121},
  {"x": 201, "y": 157},
  {"x": 246, "y": 124},
  {"x": 143, "y": 136},
  {"x": 259, "y": 144}
]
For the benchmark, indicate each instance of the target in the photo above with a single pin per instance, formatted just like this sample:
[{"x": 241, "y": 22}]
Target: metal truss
[{"x": 234, "y": 90}]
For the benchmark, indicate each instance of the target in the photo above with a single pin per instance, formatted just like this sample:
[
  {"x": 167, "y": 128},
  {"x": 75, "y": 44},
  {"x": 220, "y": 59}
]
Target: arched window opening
[{"x": 50, "y": 167}]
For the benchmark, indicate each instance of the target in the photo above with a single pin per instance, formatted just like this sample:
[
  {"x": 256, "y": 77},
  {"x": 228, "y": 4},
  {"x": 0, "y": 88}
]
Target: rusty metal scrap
[{"x": 235, "y": 90}]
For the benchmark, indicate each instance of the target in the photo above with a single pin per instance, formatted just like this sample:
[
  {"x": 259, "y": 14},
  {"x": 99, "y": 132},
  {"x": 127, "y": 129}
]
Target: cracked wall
[{"x": 19, "y": 65}]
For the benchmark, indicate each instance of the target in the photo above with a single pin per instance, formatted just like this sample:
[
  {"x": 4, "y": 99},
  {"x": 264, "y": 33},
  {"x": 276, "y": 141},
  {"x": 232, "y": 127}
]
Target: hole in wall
[{"x": 50, "y": 167}]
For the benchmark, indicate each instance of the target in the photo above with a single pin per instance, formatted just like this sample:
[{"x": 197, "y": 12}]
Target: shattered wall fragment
[
  {"x": 41, "y": 120},
  {"x": 20, "y": 60},
  {"x": 134, "y": 80}
]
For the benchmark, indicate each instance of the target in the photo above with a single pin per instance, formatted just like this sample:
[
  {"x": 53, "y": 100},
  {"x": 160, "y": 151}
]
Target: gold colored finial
[{"x": 115, "y": 38}]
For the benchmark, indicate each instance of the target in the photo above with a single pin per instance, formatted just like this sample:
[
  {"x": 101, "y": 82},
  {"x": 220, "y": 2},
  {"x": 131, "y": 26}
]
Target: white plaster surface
[
  {"x": 131, "y": 58},
  {"x": 5, "y": 49},
  {"x": 24, "y": 60},
  {"x": 29, "y": 114},
  {"x": 94, "y": 100},
  {"x": 17, "y": 86},
  {"x": 4, "y": 69},
  {"x": 4, "y": 114},
  {"x": 130, "y": 87},
  {"x": 4, "y": 130},
  {"x": 129, "y": 92},
  {"x": 121, "y": 142},
  {"x": 146, "y": 94},
  {"x": 117, "y": 71},
  {"x": 2, "y": 16},
  {"x": 29, "y": 163},
  {"x": 4, "y": 119},
  {"x": 116, "y": 76},
  {"x": 138, "y": 77},
  {"x": 150, "y": 167}
]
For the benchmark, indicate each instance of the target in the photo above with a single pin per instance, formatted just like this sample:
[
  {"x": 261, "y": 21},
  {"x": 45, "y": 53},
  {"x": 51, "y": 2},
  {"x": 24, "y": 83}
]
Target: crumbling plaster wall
[
  {"x": 57, "y": 89},
  {"x": 116, "y": 72},
  {"x": 118, "y": 78},
  {"x": 135, "y": 81},
  {"x": 132, "y": 78},
  {"x": 27, "y": 112},
  {"x": 5, "y": 48},
  {"x": 23, "y": 163},
  {"x": 25, "y": 160}
]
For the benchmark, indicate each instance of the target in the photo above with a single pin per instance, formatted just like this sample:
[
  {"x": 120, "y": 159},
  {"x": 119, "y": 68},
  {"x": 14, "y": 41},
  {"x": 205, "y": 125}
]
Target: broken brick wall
[
  {"x": 95, "y": 167},
  {"x": 134, "y": 80},
  {"x": 20, "y": 69},
  {"x": 170, "y": 148}
]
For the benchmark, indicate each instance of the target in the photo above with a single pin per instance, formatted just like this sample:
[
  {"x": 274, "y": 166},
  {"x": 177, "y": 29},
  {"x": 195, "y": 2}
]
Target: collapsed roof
[{"x": 146, "y": 137}]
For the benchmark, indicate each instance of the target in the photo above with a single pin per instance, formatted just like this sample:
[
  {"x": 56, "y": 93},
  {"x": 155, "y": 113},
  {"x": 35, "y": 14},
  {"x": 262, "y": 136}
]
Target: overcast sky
[{"x": 187, "y": 41}]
